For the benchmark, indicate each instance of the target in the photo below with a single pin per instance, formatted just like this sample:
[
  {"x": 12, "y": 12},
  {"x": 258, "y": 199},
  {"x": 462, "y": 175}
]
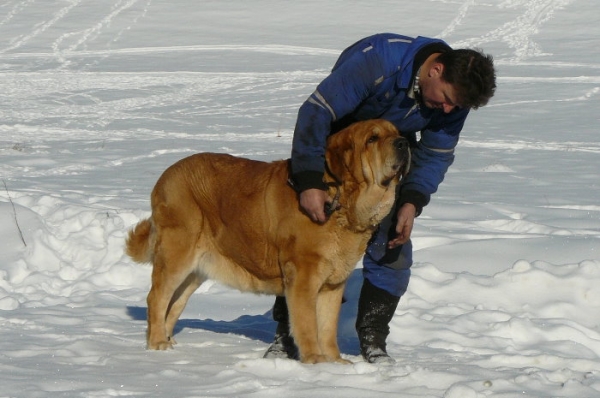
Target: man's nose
[{"x": 447, "y": 108}]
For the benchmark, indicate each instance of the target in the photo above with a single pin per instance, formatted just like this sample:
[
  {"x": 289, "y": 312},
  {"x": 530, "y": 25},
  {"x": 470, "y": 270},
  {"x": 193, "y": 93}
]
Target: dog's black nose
[{"x": 401, "y": 143}]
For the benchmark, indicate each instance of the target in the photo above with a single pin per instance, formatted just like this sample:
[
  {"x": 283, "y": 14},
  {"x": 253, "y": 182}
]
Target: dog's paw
[
  {"x": 343, "y": 361},
  {"x": 160, "y": 346},
  {"x": 316, "y": 358}
]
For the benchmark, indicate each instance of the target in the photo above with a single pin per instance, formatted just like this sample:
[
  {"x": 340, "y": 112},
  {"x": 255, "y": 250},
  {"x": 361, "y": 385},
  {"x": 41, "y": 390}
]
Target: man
[{"x": 420, "y": 85}]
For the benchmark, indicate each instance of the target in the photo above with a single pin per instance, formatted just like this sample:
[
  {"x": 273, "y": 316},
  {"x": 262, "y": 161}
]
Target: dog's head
[{"x": 371, "y": 152}]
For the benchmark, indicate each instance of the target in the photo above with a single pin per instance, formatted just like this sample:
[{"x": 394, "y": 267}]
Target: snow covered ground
[{"x": 97, "y": 98}]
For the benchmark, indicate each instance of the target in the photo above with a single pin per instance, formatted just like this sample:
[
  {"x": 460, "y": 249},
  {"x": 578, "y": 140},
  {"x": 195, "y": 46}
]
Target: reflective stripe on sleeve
[{"x": 317, "y": 99}]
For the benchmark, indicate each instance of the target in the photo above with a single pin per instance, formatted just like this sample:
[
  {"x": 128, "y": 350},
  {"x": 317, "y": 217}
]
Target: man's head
[
  {"x": 472, "y": 74},
  {"x": 458, "y": 78}
]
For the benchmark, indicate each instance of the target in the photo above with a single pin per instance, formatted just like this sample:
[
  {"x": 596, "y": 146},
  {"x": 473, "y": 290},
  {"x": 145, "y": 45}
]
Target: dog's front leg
[
  {"x": 301, "y": 295},
  {"x": 329, "y": 302}
]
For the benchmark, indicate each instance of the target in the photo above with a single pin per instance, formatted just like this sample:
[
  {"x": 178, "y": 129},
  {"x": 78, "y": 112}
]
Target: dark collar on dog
[{"x": 337, "y": 183}]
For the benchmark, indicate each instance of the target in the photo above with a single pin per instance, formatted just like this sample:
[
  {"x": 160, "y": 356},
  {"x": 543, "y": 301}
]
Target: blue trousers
[{"x": 388, "y": 269}]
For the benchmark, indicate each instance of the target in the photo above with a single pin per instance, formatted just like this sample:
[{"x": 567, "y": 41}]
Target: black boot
[
  {"x": 283, "y": 345},
  {"x": 376, "y": 308}
]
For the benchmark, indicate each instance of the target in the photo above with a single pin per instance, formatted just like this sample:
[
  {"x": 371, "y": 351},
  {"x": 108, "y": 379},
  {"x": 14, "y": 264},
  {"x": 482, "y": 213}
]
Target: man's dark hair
[{"x": 472, "y": 74}]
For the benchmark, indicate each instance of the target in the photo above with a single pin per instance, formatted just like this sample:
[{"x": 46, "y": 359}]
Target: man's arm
[
  {"x": 337, "y": 95},
  {"x": 431, "y": 159}
]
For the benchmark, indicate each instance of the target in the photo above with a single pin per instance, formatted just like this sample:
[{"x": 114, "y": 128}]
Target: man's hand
[
  {"x": 406, "y": 220},
  {"x": 312, "y": 201}
]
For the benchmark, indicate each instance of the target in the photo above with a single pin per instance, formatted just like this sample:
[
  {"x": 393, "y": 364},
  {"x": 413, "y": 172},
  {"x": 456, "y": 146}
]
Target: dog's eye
[{"x": 372, "y": 139}]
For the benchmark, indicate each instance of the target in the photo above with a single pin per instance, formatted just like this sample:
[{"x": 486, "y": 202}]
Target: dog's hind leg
[
  {"x": 172, "y": 265},
  {"x": 180, "y": 299}
]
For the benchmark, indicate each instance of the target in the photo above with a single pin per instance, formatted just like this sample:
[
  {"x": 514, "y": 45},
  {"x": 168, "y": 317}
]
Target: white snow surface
[{"x": 97, "y": 98}]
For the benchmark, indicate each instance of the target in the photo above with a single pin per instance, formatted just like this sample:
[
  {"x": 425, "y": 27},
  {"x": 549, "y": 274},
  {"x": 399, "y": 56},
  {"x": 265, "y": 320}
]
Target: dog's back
[{"x": 215, "y": 209}]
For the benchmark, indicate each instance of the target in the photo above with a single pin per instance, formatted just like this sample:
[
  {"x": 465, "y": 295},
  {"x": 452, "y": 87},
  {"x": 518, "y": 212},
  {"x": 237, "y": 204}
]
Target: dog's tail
[{"x": 138, "y": 242}]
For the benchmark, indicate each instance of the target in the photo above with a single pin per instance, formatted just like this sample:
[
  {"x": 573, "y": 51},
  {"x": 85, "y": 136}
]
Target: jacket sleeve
[
  {"x": 340, "y": 93},
  {"x": 431, "y": 158}
]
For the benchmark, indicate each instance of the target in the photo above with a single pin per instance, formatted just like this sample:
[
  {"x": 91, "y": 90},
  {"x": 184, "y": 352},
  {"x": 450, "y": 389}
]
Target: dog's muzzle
[{"x": 403, "y": 153}]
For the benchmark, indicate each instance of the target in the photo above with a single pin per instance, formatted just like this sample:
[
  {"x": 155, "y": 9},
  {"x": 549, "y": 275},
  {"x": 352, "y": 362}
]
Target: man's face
[{"x": 436, "y": 92}]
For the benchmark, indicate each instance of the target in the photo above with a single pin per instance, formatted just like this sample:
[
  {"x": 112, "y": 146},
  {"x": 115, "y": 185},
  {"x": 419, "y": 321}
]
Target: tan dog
[{"x": 237, "y": 221}]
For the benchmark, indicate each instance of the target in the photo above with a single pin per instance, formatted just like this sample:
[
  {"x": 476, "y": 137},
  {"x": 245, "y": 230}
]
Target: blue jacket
[{"x": 373, "y": 79}]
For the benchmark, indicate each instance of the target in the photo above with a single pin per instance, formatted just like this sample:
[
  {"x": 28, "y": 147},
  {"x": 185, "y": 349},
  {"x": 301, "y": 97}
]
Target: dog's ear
[{"x": 339, "y": 148}]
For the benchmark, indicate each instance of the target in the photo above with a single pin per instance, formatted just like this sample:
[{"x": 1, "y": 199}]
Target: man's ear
[{"x": 436, "y": 69}]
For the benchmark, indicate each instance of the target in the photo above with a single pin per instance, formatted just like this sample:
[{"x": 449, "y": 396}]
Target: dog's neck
[{"x": 360, "y": 209}]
